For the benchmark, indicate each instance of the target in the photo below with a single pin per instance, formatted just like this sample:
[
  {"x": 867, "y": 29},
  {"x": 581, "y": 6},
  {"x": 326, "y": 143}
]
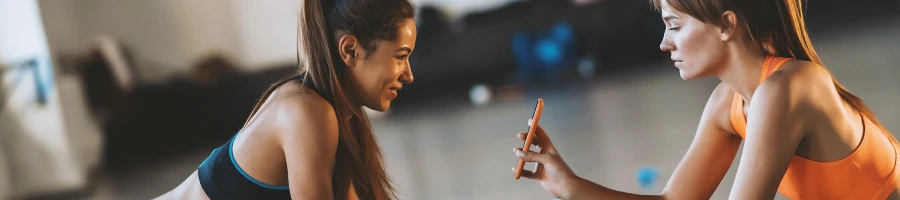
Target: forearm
[{"x": 585, "y": 189}]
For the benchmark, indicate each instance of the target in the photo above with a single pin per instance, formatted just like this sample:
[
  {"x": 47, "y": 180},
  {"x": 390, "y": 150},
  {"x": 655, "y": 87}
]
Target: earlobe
[{"x": 347, "y": 46}]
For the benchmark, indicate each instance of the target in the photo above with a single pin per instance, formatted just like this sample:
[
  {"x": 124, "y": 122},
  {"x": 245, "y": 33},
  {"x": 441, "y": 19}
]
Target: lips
[
  {"x": 677, "y": 61},
  {"x": 393, "y": 92}
]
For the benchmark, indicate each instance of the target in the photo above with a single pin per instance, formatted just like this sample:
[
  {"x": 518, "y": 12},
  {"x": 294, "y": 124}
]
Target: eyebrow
[
  {"x": 669, "y": 17},
  {"x": 407, "y": 49}
]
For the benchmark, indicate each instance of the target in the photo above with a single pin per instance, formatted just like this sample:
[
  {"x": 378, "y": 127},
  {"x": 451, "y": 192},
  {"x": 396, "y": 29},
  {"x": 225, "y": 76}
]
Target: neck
[
  {"x": 348, "y": 114},
  {"x": 350, "y": 93},
  {"x": 742, "y": 72},
  {"x": 352, "y": 100}
]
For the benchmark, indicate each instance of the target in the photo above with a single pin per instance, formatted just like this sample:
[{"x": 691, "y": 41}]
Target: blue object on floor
[{"x": 647, "y": 177}]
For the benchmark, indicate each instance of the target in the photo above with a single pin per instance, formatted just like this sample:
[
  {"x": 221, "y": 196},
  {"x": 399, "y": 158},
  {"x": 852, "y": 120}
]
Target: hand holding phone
[
  {"x": 552, "y": 172},
  {"x": 532, "y": 126}
]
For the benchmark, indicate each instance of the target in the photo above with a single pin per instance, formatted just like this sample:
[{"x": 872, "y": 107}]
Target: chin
[
  {"x": 383, "y": 106},
  {"x": 687, "y": 75}
]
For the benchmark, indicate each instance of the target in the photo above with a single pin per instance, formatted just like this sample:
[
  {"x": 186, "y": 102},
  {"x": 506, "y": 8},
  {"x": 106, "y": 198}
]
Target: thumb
[{"x": 531, "y": 156}]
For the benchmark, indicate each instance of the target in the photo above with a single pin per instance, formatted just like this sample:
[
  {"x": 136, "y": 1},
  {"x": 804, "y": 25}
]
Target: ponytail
[
  {"x": 358, "y": 158},
  {"x": 321, "y": 72}
]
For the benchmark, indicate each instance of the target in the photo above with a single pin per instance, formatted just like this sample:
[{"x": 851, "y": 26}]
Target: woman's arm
[
  {"x": 711, "y": 153},
  {"x": 775, "y": 128},
  {"x": 696, "y": 177},
  {"x": 309, "y": 138}
]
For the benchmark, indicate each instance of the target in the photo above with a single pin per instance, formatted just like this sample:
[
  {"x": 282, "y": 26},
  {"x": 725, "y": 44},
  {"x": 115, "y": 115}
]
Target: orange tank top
[{"x": 867, "y": 173}]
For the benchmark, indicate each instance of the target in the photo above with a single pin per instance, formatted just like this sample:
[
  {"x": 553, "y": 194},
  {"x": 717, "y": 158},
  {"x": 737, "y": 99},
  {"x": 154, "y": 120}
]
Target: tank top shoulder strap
[
  {"x": 773, "y": 64},
  {"x": 301, "y": 79},
  {"x": 307, "y": 82},
  {"x": 738, "y": 121}
]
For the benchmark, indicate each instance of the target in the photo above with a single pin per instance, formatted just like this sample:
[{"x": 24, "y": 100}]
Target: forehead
[
  {"x": 406, "y": 37},
  {"x": 666, "y": 10},
  {"x": 407, "y": 31}
]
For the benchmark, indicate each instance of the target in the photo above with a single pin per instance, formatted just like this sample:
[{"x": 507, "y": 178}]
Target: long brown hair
[
  {"x": 777, "y": 26},
  {"x": 358, "y": 158}
]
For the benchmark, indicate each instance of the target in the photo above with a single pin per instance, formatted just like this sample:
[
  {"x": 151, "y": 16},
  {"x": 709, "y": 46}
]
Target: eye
[
  {"x": 674, "y": 28},
  {"x": 403, "y": 57}
]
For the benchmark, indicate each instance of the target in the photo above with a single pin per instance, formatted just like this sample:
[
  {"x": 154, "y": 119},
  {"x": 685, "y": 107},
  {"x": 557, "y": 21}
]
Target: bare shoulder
[
  {"x": 302, "y": 115},
  {"x": 801, "y": 73},
  {"x": 718, "y": 108},
  {"x": 801, "y": 91},
  {"x": 801, "y": 85},
  {"x": 307, "y": 131},
  {"x": 721, "y": 98}
]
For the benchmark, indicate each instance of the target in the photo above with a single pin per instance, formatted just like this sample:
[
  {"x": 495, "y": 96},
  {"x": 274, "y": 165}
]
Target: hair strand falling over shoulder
[
  {"x": 778, "y": 26},
  {"x": 358, "y": 159}
]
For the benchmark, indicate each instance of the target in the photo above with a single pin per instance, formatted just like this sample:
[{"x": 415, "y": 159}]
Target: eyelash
[
  {"x": 403, "y": 57},
  {"x": 674, "y": 28}
]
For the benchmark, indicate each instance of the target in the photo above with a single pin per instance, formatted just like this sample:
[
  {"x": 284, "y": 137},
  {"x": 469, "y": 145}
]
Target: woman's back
[
  {"x": 838, "y": 128},
  {"x": 842, "y": 154},
  {"x": 257, "y": 152}
]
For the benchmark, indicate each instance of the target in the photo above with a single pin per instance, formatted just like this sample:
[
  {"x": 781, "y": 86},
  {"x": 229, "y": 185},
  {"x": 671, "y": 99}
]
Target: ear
[
  {"x": 347, "y": 47},
  {"x": 729, "y": 25}
]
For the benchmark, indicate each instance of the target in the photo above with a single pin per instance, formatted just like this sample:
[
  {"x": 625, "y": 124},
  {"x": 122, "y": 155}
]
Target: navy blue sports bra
[{"x": 222, "y": 178}]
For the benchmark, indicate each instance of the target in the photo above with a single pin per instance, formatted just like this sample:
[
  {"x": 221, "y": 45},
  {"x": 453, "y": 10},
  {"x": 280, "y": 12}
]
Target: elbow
[
  {"x": 323, "y": 192},
  {"x": 665, "y": 194},
  {"x": 297, "y": 195}
]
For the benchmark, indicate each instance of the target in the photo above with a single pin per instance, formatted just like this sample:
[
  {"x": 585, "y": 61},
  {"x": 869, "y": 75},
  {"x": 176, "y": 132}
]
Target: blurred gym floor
[{"x": 606, "y": 129}]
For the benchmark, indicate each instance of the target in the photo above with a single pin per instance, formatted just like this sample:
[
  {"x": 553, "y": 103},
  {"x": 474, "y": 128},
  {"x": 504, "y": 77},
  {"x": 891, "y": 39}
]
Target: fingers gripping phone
[{"x": 529, "y": 137}]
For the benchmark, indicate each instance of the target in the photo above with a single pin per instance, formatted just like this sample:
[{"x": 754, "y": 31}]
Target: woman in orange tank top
[{"x": 805, "y": 136}]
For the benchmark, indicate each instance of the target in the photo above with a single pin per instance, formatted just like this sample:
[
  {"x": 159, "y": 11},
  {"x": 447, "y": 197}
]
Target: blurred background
[{"x": 123, "y": 99}]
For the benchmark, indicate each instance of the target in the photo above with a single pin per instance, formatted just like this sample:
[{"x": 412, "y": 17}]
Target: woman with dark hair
[
  {"x": 805, "y": 136},
  {"x": 308, "y": 136}
]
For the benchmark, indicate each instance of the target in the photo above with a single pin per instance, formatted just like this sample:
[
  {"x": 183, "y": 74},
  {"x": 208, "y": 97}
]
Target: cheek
[
  {"x": 377, "y": 72},
  {"x": 697, "y": 46},
  {"x": 365, "y": 76},
  {"x": 388, "y": 71},
  {"x": 689, "y": 42}
]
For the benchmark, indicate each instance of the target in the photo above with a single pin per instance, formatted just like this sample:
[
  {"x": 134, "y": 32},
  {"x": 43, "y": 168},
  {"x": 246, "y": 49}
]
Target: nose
[
  {"x": 407, "y": 76},
  {"x": 666, "y": 44}
]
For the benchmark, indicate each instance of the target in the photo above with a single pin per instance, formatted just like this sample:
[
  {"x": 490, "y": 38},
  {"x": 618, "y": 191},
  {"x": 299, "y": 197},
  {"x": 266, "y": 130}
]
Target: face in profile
[
  {"x": 380, "y": 74},
  {"x": 695, "y": 46}
]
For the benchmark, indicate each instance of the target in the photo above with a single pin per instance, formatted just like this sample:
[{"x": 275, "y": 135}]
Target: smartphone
[{"x": 532, "y": 126}]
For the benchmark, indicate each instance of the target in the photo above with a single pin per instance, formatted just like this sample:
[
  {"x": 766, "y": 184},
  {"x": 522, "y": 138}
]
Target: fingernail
[{"x": 520, "y": 153}]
